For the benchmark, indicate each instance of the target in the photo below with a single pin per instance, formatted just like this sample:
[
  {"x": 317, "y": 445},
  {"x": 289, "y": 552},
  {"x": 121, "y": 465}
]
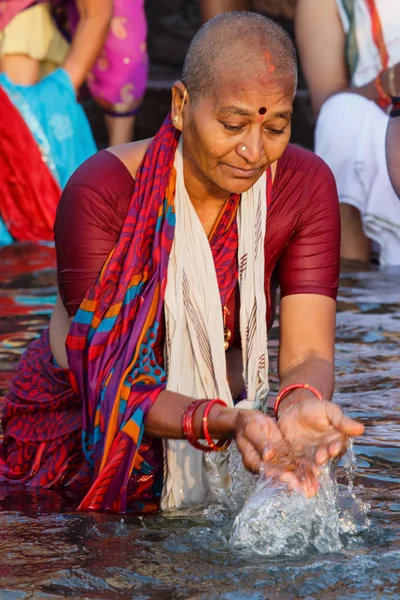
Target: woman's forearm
[
  {"x": 369, "y": 90},
  {"x": 165, "y": 418},
  {"x": 88, "y": 40},
  {"x": 315, "y": 371}
]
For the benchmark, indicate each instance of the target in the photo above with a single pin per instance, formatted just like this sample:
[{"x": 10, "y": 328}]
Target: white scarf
[{"x": 195, "y": 354}]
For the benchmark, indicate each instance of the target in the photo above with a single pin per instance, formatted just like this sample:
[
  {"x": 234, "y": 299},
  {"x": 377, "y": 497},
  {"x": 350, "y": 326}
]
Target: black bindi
[{"x": 262, "y": 110}]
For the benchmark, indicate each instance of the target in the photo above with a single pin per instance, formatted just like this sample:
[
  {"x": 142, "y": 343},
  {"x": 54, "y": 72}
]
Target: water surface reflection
[{"x": 49, "y": 551}]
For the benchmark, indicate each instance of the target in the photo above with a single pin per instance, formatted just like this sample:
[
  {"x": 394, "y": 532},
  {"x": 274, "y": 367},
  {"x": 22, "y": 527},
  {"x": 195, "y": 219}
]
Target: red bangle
[
  {"x": 384, "y": 98},
  {"x": 188, "y": 426},
  {"x": 221, "y": 445},
  {"x": 290, "y": 388}
]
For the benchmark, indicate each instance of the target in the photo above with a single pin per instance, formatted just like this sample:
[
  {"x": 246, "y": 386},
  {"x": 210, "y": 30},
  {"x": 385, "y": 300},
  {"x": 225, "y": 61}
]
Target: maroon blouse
[{"x": 302, "y": 242}]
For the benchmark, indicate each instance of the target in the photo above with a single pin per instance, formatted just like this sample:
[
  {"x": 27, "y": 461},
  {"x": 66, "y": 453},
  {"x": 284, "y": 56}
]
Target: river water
[{"x": 49, "y": 551}]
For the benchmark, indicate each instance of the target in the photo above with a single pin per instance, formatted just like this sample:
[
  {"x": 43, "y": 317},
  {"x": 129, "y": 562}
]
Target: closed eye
[
  {"x": 276, "y": 131},
  {"x": 232, "y": 127}
]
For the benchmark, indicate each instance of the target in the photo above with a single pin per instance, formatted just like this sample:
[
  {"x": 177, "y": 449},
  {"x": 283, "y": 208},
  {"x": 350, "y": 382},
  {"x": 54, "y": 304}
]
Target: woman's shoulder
[
  {"x": 303, "y": 160},
  {"x": 101, "y": 170},
  {"x": 299, "y": 165},
  {"x": 101, "y": 186},
  {"x": 131, "y": 155},
  {"x": 112, "y": 169}
]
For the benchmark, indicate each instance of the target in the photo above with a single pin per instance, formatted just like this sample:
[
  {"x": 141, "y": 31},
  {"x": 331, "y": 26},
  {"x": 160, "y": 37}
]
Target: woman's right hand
[
  {"x": 263, "y": 447},
  {"x": 257, "y": 437}
]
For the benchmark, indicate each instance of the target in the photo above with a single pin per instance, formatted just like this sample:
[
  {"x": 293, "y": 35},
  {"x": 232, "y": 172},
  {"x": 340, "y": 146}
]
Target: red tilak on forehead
[
  {"x": 262, "y": 110},
  {"x": 268, "y": 58}
]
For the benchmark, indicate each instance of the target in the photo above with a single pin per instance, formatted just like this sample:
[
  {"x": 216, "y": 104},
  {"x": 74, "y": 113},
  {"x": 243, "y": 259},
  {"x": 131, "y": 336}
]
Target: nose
[{"x": 251, "y": 147}]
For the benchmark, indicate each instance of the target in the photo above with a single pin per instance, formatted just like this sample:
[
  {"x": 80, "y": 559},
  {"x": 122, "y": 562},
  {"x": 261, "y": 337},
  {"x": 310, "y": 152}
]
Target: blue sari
[{"x": 57, "y": 123}]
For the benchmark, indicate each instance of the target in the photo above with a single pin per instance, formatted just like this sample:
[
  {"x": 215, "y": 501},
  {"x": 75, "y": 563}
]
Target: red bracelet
[
  {"x": 290, "y": 388},
  {"x": 384, "y": 98},
  {"x": 221, "y": 445},
  {"x": 188, "y": 426}
]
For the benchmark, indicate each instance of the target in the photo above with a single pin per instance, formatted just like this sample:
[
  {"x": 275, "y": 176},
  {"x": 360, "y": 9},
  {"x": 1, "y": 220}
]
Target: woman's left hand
[{"x": 317, "y": 425}]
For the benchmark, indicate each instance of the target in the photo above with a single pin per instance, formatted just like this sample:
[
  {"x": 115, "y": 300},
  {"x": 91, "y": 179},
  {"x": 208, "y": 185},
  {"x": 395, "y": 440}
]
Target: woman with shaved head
[{"x": 170, "y": 251}]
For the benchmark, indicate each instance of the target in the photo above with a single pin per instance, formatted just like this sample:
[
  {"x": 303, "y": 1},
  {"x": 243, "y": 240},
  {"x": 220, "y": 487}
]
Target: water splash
[
  {"x": 275, "y": 521},
  {"x": 353, "y": 511}
]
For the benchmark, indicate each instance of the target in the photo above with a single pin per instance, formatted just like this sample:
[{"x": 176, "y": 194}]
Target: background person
[
  {"x": 108, "y": 49},
  {"x": 350, "y": 53},
  {"x": 44, "y": 137},
  {"x": 44, "y": 134},
  {"x": 393, "y": 145}
]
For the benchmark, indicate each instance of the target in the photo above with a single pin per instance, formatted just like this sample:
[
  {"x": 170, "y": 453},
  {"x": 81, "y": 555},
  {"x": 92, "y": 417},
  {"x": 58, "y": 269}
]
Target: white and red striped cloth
[{"x": 195, "y": 353}]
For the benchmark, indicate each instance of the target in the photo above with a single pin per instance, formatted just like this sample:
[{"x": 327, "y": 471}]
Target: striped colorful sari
[
  {"x": 114, "y": 348},
  {"x": 114, "y": 362}
]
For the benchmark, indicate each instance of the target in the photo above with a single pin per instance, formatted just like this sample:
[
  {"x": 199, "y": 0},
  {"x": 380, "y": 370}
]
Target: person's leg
[
  {"x": 120, "y": 129},
  {"x": 354, "y": 243}
]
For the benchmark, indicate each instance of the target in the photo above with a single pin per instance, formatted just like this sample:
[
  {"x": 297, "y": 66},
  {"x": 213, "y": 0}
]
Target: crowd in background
[{"x": 349, "y": 53}]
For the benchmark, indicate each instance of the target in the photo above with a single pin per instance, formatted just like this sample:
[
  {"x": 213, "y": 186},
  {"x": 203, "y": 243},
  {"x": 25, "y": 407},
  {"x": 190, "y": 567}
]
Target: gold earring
[{"x": 177, "y": 117}]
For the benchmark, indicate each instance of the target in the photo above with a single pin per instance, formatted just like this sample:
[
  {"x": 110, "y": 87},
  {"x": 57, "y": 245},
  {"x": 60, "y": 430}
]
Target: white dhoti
[{"x": 350, "y": 138}]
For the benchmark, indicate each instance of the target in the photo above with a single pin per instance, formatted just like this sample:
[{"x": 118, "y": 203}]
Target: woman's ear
[{"x": 179, "y": 98}]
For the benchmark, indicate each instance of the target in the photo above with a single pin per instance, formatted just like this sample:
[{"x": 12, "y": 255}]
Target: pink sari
[{"x": 119, "y": 77}]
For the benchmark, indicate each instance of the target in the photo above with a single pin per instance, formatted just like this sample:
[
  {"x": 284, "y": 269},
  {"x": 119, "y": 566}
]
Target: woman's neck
[
  {"x": 201, "y": 190},
  {"x": 207, "y": 199}
]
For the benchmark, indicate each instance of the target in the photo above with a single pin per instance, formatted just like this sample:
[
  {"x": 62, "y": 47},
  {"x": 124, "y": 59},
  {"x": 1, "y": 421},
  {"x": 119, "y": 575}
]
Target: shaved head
[{"x": 237, "y": 44}]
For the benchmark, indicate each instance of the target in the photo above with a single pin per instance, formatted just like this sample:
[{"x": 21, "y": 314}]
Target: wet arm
[
  {"x": 321, "y": 43},
  {"x": 165, "y": 418},
  {"x": 306, "y": 354},
  {"x": 89, "y": 37},
  {"x": 257, "y": 436},
  {"x": 317, "y": 427},
  {"x": 309, "y": 275}
]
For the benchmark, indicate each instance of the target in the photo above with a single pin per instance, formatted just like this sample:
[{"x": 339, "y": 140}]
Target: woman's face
[{"x": 229, "y": 140}]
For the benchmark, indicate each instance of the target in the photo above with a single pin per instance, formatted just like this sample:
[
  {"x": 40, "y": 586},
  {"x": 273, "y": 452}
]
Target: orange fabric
[
  {"x": 377, "y": 33},
  {"x": 29, "y": 194}
]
